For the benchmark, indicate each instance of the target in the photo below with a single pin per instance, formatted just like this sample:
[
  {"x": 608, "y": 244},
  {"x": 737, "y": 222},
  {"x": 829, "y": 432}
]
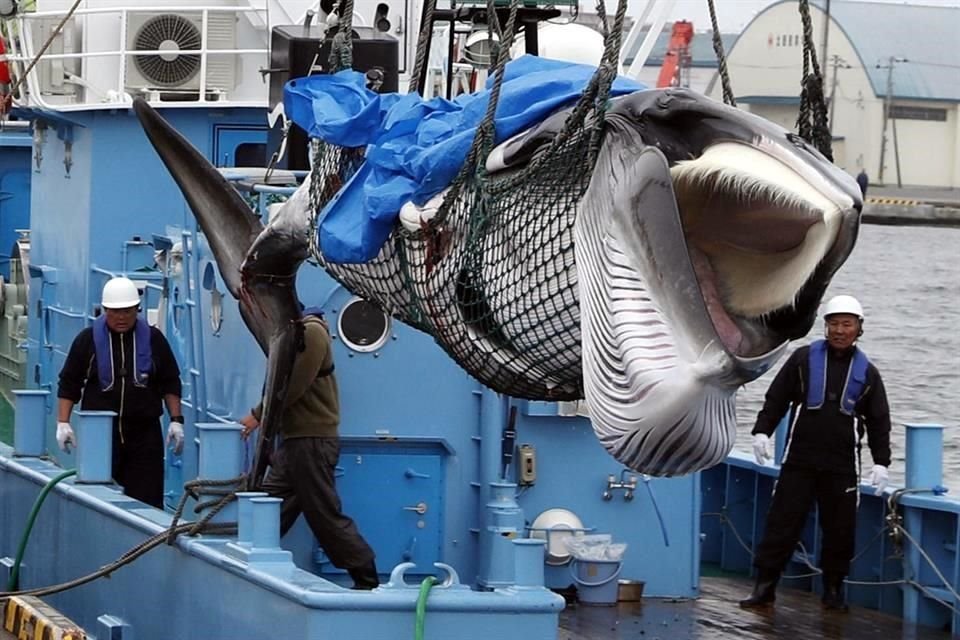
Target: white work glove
[
  {"x": 879, "y": 477},
  {"x": 761, "y": 448},
  {"x": 175, "y": 437},
  {"x": 65, "y": 437}
]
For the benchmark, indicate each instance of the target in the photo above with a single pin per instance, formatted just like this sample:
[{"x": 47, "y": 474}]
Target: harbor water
[{"x": 908, "y": 280}]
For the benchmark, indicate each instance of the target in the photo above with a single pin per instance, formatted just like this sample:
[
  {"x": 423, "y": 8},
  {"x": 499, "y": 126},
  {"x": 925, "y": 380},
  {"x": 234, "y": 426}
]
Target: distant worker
[
  {"x": 122, "y": 364},
  {"x": 302, "y": 467},
  {"x": 836, "y": 394},
  {"x": 864, "y": 181}
]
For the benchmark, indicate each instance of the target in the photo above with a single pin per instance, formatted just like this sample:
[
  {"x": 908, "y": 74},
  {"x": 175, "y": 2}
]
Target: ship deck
[{"x": 715, "y": 615}]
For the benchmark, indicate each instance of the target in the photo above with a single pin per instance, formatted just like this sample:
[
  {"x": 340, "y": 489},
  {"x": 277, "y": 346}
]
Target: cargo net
[{"x": 491, "y": 276}]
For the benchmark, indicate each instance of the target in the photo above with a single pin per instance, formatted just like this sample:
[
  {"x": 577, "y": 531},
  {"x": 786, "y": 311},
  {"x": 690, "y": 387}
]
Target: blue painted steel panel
[
  {"x": 572, "y": 470},
  {"x": 382, "y": 490},
  {"x": 14, "y": 198},
  {"x": 195, "y": 589}
]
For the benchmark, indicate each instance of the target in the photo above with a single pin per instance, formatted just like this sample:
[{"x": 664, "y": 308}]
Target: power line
[{"x": 935, "y": 64}]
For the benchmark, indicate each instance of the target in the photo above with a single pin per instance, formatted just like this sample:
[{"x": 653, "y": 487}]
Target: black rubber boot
[
  {"x": 833, "y": 596},
  {"x": 365, "y": 578},
  {"x": 764, "y": 589}
]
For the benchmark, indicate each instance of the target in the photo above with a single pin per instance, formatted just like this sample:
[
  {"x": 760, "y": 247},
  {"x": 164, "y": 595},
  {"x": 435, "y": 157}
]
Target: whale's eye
[{"x": 797, "y": 141}]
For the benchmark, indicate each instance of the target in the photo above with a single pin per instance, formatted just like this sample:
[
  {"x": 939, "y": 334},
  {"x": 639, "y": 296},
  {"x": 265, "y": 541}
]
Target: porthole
[
  {"x": 363, "y": 326},
  {"x": 216, "y": 311},
  {"x": 209, "y": 280}
]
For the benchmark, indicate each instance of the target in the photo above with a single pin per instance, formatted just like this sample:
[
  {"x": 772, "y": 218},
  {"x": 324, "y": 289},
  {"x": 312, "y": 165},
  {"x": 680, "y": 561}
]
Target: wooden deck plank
[{"x": 715, "y": 615}]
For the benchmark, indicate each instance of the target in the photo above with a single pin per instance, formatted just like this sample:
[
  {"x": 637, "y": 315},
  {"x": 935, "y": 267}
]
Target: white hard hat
[
  {"x": 120, "y": 293},
  {"x": 843, "y": 304}
]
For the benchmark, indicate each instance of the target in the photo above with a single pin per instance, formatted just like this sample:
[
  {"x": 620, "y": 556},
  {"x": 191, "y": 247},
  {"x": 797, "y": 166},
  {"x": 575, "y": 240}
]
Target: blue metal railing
[{"x": 906, "y": 561}]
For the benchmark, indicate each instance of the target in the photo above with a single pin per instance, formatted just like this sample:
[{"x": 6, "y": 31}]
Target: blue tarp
[{"x": 414, "y": 148}]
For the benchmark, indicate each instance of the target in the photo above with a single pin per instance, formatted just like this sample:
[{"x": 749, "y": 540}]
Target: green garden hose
[
  {"x": 14, "y": 583},
  {"x": 425, "y": 587}
]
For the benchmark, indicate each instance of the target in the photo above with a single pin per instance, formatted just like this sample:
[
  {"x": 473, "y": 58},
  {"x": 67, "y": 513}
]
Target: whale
[{"x": 700, "y": 245}]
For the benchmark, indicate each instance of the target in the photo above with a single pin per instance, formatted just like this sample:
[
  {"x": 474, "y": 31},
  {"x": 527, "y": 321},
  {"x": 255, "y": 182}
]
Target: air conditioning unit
[
  {"x": 176, "y": 34},
  {"x": 54, "y": 74}
]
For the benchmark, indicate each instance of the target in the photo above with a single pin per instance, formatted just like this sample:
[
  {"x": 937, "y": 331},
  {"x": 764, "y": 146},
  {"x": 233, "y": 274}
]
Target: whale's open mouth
[
  {"x": 696, "y": 266},
  {"x": 756, "y": 233}
]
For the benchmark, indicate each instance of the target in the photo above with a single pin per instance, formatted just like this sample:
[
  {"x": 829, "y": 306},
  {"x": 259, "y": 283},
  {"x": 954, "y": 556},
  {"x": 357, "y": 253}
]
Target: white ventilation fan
[{"x": 176, "y": 36}]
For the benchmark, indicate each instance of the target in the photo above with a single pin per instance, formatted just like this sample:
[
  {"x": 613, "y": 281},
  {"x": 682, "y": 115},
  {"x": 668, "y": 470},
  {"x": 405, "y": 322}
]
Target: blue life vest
[
  {"x": 104, "y": 352},
  {"x": 853, "y": 386}
]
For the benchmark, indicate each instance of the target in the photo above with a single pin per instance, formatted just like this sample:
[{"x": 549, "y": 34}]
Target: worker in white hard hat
[
  {"x": 122, "y": 364},
  {"x": 834, "y": 395}
]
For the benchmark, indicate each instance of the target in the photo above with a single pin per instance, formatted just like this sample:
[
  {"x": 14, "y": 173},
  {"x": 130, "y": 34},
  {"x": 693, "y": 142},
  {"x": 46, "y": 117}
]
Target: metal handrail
[{"x": 22, "y": 51}]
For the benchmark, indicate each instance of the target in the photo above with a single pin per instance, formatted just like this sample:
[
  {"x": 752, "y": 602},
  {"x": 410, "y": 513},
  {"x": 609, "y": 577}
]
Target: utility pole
[
  {"x": 886, "y": 110},
  {"x": 826, "y": 33},
  {"x": 836, "y": 61},
  {"x": 896, "y": 153}
]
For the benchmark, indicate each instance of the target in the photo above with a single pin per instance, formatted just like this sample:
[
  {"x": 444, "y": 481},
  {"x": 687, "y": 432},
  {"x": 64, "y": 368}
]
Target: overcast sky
[{"x": 732, "y": 15}]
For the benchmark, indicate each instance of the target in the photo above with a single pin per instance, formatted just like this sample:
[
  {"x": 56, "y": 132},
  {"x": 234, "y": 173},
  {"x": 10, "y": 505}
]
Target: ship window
[
  {"x": 363, "y": 326},
  {"x": 250, "y": 154},
  {"x": 918, "y": 113}
]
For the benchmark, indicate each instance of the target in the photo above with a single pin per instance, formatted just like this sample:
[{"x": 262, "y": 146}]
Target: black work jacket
[
  {"x": 827, "y": 439},
  {"x": 80, "y": 382}
]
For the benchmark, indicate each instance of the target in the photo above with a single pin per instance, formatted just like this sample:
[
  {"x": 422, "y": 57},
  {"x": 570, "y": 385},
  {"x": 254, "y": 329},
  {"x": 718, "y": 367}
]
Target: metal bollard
[
  {"x": 95, "y": 447},
  {"x": 266, "y": 523},
  {"x": 528, "y": 562},
  {"x": 245, "y": 515},
  {"x": 221, "y": 450},
  {"x": 29, "y": 422},
  {"x": 924, "y": 456},
  {"x": 503, "y": 522}
]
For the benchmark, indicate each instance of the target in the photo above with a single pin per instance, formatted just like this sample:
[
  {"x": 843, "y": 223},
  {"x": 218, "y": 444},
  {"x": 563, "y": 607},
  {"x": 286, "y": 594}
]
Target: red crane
[{"x": 678, "y": 54}]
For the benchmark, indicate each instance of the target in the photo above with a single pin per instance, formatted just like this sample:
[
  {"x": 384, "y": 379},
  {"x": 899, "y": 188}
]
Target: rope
[
  {"x": 423, "y": 45},
  {"x": 486, "y": 132},
  {"x": 194, "y": 489},
  {"x": 597, "y": 91},
  {"x": 46, "y": 45},
  {"x": 493, "y": 238},
  {"x": 341, "y": 49},
  {"x": 314, "y": 194},
  {"x": 602, "y": 19},
  {"x": 128, "y": 557},
  {"x": 812, "y": 121},
  {"x": 721, "y": 58}
]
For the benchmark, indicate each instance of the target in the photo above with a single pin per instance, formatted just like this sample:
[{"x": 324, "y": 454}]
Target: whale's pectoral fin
[
  {"x": 282, "y": 351},
  {"x": 225, "y": 219}
]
